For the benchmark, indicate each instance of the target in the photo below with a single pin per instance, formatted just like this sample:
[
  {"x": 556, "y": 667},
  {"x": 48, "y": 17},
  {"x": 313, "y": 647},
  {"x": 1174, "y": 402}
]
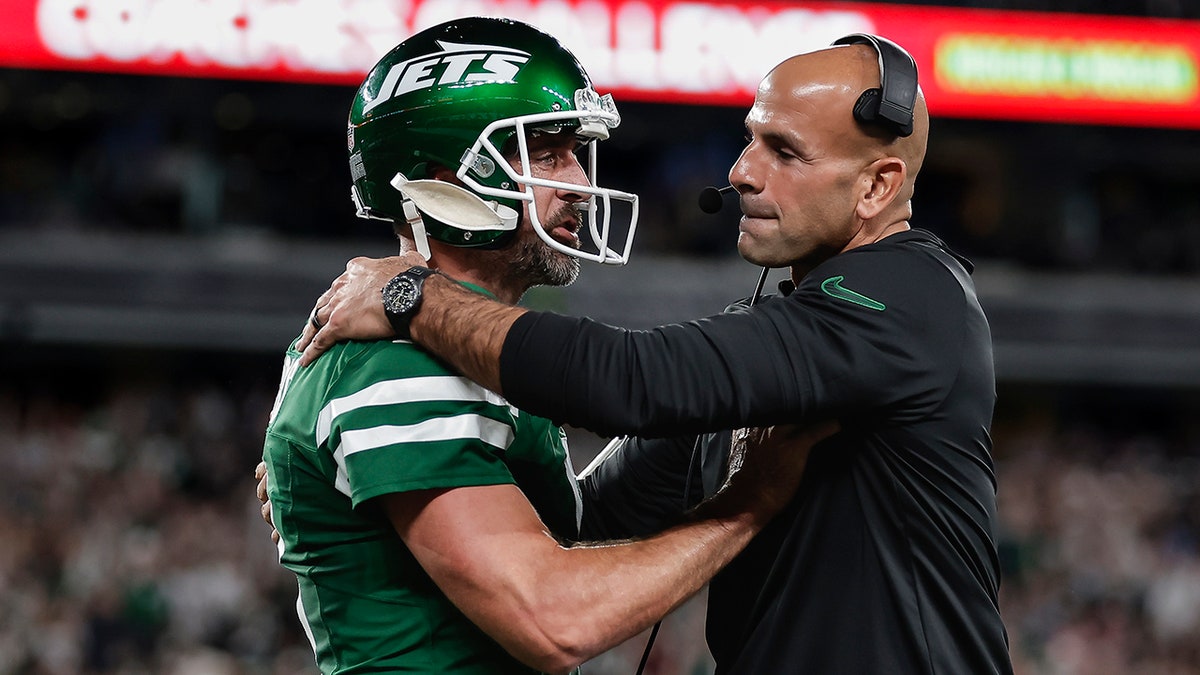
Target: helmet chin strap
[{"x": 413, "y": 217}]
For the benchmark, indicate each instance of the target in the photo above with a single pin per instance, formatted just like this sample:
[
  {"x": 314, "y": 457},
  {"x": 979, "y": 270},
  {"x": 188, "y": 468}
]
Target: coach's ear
[{"x": 881, "y": 182}]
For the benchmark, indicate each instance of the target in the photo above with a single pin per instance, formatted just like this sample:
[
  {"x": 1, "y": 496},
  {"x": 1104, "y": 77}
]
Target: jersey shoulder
[{"x": 351, "y": 371}]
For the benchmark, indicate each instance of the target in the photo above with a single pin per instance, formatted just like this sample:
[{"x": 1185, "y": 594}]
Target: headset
[{"x": 891, "y": 104}]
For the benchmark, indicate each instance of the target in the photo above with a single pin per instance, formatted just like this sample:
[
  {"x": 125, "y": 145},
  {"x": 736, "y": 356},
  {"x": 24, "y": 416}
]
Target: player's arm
[
  {"x": 554, "y": 607},
  {"x": 636, "y": 490}
]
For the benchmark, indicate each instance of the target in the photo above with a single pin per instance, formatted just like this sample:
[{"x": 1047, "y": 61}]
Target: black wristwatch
[{"x": 402, "y": 298}]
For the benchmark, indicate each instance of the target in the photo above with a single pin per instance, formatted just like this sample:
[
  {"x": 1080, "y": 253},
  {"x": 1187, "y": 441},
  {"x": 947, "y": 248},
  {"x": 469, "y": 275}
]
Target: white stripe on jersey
[
  {"x": 304, "y": 620},
  {"x": 488, "y": 430},
  {"x": 459, "y": 427},
  {"x": 435, "y": 388},
  {"x": 341, "y": 482}
]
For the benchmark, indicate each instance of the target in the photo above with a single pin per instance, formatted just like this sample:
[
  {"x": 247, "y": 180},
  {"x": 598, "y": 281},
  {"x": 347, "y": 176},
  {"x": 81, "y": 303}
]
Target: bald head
[
  {"x": 813, "y": 180},
  {"x": 829, "y": 82}
]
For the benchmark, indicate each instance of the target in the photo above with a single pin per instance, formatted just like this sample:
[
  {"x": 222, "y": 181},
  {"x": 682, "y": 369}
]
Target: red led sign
[{"x": 973, "y": 63}]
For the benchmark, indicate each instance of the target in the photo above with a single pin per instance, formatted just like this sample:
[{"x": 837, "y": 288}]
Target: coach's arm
[
  {"x": 780, "y": 363},
  {"x": 678, "y": 379}
]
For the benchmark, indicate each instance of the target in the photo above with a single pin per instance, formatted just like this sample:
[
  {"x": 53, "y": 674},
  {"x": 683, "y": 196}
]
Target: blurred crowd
[
  {"x": 132, "y": 539},
  {"x": 1100, "y": 548},
  {"x": 133, "y": 544}
]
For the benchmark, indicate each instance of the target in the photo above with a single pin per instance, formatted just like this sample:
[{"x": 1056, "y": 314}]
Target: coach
[{"x": 886, "y": 560}]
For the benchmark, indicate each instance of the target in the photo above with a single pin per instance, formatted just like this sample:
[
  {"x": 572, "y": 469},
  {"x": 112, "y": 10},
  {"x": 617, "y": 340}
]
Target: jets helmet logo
[{"x": 455, "y": 64}]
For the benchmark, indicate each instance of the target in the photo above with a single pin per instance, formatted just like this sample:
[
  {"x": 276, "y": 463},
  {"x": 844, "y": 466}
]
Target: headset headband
[{"x": 891, "y": 105}]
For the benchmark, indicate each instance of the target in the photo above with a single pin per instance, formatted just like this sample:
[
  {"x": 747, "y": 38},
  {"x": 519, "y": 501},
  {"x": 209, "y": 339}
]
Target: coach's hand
[
  {"x": 260, "y": 472},
  {"x": 352, "y": 308},
  {"x": 767, "y": 463}
]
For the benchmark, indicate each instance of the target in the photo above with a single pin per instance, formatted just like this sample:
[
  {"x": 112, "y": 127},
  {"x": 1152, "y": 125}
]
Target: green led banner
[{"x": 1069, "y": 68}]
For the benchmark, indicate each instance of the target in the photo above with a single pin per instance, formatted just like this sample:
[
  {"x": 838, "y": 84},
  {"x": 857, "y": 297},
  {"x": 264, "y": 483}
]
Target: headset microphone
[{"x": 711, "y": 198}]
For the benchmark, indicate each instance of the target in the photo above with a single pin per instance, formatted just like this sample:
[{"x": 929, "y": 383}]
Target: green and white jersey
[{"x": 372, "y": 418}]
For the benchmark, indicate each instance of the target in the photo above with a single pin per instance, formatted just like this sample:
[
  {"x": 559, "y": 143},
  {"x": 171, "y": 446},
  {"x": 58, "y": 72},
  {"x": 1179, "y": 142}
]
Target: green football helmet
[{"x": 456, "y": 95}]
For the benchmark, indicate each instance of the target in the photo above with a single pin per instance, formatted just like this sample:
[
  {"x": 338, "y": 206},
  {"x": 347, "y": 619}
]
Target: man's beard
[{"x": 541, "y": 265}]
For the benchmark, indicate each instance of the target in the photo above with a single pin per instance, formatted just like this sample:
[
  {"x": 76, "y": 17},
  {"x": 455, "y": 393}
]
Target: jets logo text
[{"x": 456, "y": 63}]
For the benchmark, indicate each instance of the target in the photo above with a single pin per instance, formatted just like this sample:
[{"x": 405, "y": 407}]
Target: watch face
[{"x": 401, "y": 295}]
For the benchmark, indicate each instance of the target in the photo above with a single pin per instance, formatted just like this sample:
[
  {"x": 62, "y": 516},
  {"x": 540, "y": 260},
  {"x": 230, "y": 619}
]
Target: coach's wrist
[{"x": 402, "y": 296}]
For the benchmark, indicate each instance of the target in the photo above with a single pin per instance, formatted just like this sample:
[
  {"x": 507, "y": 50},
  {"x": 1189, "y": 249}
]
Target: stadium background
[{"x": 162, "y": 238}]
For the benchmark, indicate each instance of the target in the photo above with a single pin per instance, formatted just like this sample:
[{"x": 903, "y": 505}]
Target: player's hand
[
  {"x": 352, "y": 308},
  {"x": 768, "y": 462},
  {"x": 260, "y": 472}
]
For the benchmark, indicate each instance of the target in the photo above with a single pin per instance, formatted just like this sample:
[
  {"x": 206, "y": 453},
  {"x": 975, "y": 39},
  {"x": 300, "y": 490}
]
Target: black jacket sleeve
[{"x": 874, "y": 330}]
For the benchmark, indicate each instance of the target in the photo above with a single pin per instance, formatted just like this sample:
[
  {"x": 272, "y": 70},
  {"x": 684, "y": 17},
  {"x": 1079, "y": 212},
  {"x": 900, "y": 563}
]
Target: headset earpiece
[
  {"x": 867, "y": 105},
  {"x": 891, "y": 104}
]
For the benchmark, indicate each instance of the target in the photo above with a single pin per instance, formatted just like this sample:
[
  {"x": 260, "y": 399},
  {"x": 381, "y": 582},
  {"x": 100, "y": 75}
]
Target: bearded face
[
  {"x": 528, "y": 261},
  {"x": 535, "y": 260}
]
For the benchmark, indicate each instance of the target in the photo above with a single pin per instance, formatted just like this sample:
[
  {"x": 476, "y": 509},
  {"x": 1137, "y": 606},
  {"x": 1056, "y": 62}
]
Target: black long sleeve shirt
[{"x": 885, "y": 562}]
